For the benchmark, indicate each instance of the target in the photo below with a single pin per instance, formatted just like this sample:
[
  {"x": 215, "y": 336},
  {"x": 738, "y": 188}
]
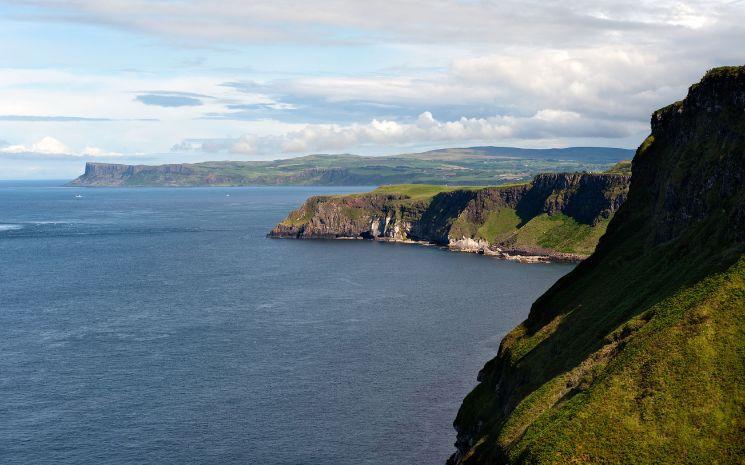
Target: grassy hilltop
[{"x": 637, "y": 355}]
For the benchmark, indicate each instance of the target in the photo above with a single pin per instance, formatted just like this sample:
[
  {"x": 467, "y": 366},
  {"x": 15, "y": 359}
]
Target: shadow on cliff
[
  {"x": 586, "y": 198},
  {"x": 436, "y": 220}
]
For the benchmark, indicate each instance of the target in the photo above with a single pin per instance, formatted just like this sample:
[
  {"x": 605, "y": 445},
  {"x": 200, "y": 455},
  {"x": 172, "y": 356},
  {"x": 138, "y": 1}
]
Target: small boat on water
[{"x": 78, "y": 196}]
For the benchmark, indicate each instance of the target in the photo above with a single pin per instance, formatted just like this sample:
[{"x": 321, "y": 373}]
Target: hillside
[
  {"x": 556, "y": 216},
  {"x": 622, "y": 167},
  {"x": 466, "y": 166},
  {"x": 636, "y": 356}
]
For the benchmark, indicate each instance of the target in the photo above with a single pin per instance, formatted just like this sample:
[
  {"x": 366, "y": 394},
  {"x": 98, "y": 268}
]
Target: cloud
[
  {"x": 30, "y": 118},
  {"x": 46, "y": 146},
  {"x": 170, "y": 98},
  {"x": 63, "y": 119},
  {"x": 166, "y": 100},
  {"x": 509, "y": 22},
  {"x": 426, "y": 129},
  {"x": 178, "y": 94},
  {"x": 49, "y": 146},
  {"x": 602, "y": 82},
  {"x": 89, "y": 151}
]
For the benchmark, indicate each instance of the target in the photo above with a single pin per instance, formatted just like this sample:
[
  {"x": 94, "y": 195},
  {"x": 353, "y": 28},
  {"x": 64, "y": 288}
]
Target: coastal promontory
[{"x": 556, "y": 216}]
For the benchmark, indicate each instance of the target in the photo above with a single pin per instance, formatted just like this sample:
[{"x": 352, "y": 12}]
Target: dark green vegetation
[
  {"x": 556, "y": 216},
  {"x": 467, "y": 166},
  {"x": 636, "y": 356}
]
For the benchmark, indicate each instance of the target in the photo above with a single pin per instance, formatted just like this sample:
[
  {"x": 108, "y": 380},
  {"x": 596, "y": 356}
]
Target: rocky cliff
[
  {"x": 200, "y": 174},
  {"x": 636, "y": 355},
  {"x": 557, "y": 216},
  {"x": 114, "y": 175}
]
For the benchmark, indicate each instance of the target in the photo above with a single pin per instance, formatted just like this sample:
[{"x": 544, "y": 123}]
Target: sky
[{"x": 168, "y": 81}]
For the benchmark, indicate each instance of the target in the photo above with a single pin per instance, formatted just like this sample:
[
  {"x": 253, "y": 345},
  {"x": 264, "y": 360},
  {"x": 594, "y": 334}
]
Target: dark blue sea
[{"x": 161, "y": 326}]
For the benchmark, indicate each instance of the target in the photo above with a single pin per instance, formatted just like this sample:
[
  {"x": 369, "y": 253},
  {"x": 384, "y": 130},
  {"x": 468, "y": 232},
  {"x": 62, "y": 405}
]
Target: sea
[{"x": 160, "y": 325}]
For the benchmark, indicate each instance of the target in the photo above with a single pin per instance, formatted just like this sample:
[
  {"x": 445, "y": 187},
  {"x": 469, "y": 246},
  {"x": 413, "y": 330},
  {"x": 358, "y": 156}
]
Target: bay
[{"x": 162, "y": 326}]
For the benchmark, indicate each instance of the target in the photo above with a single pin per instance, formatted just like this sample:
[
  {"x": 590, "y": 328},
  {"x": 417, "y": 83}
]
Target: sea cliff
[
  {"x": 636, "y": 355},
  {"x": 556, "y": 217},
  {"x": 117, "y": 175}
]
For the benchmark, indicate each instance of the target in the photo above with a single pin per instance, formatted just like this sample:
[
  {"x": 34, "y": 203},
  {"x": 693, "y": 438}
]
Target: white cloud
[
  {"x": 624, "y": 82},
  {"x": 89, "y": 151},
  {"x": 426, "y": 129},
  {"x": 301, "y": 21},
  {"x": 46, "y": 146},
  {"x": 49, "y": 146}
]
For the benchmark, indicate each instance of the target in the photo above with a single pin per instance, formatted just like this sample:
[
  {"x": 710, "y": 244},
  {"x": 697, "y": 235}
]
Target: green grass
[
  {"x": 418, "y": 191},
  {"x": 622, "y": 167},
  {"x": 627, "y": 364},
  {"x": 667, "y": 398},
  {"x": 499, "y": 225},
  {"x": 559, "y": 232}
]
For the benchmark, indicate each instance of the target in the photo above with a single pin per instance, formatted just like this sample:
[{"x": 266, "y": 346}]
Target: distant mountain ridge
[{"x": 456, "y": 166}]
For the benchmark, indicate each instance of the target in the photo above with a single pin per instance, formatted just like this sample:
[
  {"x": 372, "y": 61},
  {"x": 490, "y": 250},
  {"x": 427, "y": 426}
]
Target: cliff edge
[{"x": 636, "y": 356}]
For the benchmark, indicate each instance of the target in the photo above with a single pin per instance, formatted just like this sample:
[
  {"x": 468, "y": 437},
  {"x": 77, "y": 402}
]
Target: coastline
[{"x": 460, "y": 246}]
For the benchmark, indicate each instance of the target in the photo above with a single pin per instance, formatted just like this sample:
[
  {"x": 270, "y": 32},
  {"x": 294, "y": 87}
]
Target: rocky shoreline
[
  {"x": 536, "y": 255},
  {"x": 464, "y": 245}
]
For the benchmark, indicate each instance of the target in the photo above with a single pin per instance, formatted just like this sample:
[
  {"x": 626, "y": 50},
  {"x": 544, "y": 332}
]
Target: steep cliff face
[
  {"x": 110, "y": 174},
  {"x": 356, "y": 216},
  {"x": 503, "y": 221},
  {"x": 636, "y": 355},
  {"x": 589, "y": 199}
]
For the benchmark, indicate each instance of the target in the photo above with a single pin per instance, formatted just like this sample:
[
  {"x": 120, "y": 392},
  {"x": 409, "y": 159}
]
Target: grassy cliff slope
[{"x": 636, "y": 356}]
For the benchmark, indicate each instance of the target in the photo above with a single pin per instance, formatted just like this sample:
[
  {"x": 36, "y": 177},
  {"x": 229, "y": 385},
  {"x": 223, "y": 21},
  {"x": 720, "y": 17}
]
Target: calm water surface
[{"x": 161, "y": 326}]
